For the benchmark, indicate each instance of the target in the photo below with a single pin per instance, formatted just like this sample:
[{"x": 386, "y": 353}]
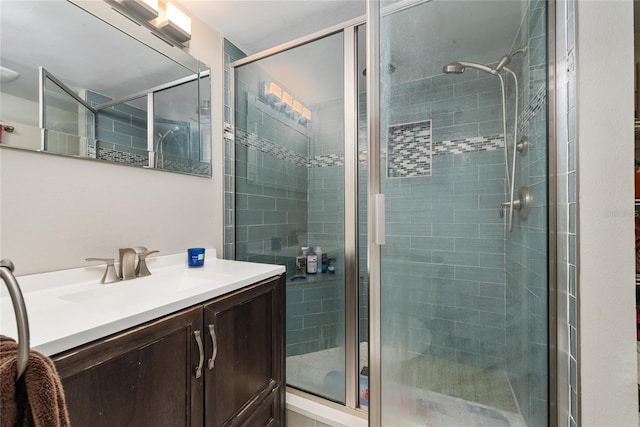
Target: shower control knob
[
  {"x": 522, "y": 145},
  {"x": 521, "y": 204}
]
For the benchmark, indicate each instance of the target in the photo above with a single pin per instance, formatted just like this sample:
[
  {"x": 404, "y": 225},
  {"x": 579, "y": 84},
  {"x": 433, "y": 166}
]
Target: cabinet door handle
[
  {"x": 201, "y": 350},
  {"x": 214, "y": 354}
]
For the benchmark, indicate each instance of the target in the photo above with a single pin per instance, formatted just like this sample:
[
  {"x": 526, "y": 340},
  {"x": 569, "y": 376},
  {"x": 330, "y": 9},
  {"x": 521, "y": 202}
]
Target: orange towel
[{"x": 38, "y": 398}]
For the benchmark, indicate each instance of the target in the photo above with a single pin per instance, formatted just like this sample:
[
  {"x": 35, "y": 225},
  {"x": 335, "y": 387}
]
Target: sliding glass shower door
[
  {"x": 290, "y": 198},
  {"x": 463, "y": 170}
]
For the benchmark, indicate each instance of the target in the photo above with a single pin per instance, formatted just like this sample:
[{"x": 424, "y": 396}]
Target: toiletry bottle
[
  {"x": 324, "y": 263},
  {"x": 318, "y": 251},
  {"x": 332, "y": 266},
  {"x": 301, "y": 263},
  {"x": 312, "y": 262}
]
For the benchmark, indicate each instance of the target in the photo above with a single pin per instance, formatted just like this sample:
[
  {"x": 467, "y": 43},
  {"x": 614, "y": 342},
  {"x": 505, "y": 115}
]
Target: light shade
[
  {"x": 287, "y": 99},
  {"x": 145, "y": 9},
  {"x": 297, "y": 107},
  {"x": 273, "y": 92},
  {"x": 306, "y": 114},
  {"x": 176, "y": 24}
]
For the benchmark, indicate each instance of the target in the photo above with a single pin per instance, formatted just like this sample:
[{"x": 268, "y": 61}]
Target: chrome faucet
[
  {"x": 128, "y": 269},
  {"x": 127, "y": 263}
]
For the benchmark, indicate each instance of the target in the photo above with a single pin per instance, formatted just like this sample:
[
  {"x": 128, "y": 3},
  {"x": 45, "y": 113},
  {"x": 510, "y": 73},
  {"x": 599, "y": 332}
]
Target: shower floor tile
[{"x": 484, "y": 386}]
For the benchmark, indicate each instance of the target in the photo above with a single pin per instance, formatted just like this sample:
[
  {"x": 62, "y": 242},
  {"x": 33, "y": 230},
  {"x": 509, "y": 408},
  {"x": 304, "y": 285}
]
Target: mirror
[{"x": 75, "y": 85}]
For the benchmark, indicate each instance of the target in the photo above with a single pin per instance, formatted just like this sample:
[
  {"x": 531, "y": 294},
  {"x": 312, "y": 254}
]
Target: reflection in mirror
[
  {"x": 182, "y": 128},
  {"x": 103, "y": 94}
]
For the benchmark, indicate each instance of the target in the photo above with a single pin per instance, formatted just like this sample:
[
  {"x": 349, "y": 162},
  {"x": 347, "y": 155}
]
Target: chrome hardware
[
  {"x": 127, "y": 263},
  {"x": 523, "y": 145},
  {"x": 522, "y": 205},
  {"x": 110, "y": 274},
  {"x": 201, "y": 350},
  {"x": 214, "y": 353},
  {"x": 142, "y": 269},
  {"x": 8, "y": 129},
  {"x": 22, "y": 321}
]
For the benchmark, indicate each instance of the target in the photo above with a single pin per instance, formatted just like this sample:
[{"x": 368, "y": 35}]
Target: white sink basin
[{"x": 134, "y": 290}]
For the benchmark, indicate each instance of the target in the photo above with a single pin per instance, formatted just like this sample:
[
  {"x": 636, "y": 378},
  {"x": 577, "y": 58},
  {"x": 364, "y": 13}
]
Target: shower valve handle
[
  {"x": 521, "y": 204},
  {"x": 502, "y": 206}
]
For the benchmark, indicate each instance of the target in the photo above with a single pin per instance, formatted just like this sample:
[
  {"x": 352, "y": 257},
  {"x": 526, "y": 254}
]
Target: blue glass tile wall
[
  {"x": 121, "y": 132},
  {"x": 526, "y": 247}
]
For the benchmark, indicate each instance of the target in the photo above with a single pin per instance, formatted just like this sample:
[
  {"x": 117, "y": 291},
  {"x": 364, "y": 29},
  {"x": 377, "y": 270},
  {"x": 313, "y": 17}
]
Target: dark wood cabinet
[
  {"x": 147, "y": 375},
  {"x": 141, "y": 377},
  {"x": 248, "y": 371}
]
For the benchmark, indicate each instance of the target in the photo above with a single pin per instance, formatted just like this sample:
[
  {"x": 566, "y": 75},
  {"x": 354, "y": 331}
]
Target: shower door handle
[{"x": 378, "y": 219}]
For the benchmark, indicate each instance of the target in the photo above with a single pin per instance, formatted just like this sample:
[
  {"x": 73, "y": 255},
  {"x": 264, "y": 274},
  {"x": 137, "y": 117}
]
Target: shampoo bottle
[{"x": 312, "y": 262}]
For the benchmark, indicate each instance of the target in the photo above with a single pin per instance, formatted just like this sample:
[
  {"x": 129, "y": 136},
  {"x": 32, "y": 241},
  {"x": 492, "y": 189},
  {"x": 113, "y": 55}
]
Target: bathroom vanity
[
  {"x": 213, "y": 364},
  {"x": 211, "y": 354}
]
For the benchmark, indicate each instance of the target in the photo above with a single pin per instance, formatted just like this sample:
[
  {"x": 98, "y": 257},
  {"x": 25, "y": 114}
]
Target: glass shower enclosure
[
  {"x": 417, "y": 165},
  {"x": 463, "y": 171}
]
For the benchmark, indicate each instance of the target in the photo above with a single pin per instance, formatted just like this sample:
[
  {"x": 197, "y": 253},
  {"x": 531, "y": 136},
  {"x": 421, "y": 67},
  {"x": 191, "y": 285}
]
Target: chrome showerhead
[
  {"x": 458, "y": 67},
  {"x": 162, "y": 137},
  {"x": 453, "y": 68}
]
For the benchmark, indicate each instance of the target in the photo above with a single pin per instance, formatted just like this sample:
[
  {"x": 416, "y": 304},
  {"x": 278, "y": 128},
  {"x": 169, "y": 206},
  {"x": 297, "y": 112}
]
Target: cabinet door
[
  {"x": 141, "y": 377},
  {"x": 247, "y": 327}
]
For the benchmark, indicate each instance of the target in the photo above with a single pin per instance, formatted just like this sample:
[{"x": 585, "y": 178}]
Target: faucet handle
[
  {"x": 110, "y": 275},
  {"x": 142, "y": 269}
]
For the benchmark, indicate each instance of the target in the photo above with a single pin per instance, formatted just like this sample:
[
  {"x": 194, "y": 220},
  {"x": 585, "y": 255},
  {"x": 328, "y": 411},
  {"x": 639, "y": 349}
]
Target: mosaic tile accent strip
[
  {"x": 467, "y": 145},
  {"x": 118, "y": 156},
  {"x": 326, "y": 161},
  {"x": 438, "y": 148},
  {"x": 265, "y": 146},
  {"x": 409, "y": 150}
]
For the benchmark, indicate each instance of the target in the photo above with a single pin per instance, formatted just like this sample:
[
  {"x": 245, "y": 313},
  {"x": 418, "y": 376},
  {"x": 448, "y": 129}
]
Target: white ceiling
[
  {"x": 418, "y": 40},
  {"x": 256, "y": 25}
]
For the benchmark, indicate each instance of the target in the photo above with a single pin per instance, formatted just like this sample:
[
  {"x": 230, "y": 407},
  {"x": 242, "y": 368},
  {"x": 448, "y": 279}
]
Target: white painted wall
[
  {"x": 56, "y": 211},
  {"x": 605, "y": 143}
]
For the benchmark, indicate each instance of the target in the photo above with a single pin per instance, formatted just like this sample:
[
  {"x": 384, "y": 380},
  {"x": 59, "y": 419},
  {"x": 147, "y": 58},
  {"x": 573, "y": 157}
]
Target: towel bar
[{"x": 6, "y": 272}]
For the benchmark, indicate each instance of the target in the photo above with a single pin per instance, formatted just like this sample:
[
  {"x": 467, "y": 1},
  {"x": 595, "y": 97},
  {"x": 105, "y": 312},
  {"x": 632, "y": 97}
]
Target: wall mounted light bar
[
  {"x": 166, "y": 17},
  {"x": 176, "y": 23},
  {"x": 283, "y": 101}
]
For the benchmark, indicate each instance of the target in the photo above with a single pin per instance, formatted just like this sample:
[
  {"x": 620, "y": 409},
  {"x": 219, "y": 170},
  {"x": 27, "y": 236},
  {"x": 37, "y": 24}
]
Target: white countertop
[{"x": 69, "y": 308}]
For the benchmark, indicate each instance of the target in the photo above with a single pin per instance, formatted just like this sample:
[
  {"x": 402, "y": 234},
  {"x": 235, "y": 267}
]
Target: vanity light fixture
[
  {"x": 283, "y": 102},
  {"x": 176, "y": 24},
  {"x": 145, "y": 9}
]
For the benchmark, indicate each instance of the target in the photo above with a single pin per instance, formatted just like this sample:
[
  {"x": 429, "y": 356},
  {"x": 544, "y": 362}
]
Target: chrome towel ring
[{"x": 6, "y": 272}]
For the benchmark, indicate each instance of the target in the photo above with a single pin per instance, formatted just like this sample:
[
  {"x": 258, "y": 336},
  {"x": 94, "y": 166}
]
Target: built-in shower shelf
[{"x": 313, "y": 278}]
